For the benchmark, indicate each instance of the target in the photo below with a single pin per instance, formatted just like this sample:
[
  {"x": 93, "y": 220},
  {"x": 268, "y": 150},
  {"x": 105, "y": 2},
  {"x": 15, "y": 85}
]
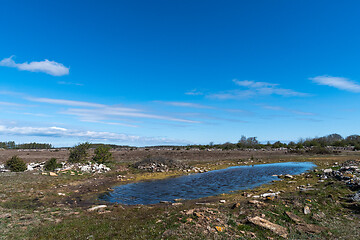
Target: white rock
[
  {"x": 29, "y": 168},
  {"x": 307, "y": 210},
  {"x": 97, "y": 208},
  {"x": 329, "y": 170},
  {"x": 268, "y": 194}
]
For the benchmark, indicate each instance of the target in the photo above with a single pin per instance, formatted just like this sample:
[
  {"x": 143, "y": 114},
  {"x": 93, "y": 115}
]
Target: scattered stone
[
  {"x": 256, "y": 202},
  {"x": 96, "y": 208},
  {"x": 307, "y": 210},
  {"x": 288, "y": 176},
  {"x": 52, "y": 174},
  {"x": 329, "y": 170},
  {"x": 295, "y": 218},
  {"x": 189, "y": 212},
  {"x": 236, "y": 205},
  {"x": 159, "y": 164},
  {"x": 222, "y": 201},
  {"x": 279, "y": 230},
  {"x": 310, "y": 228},
  {"x": 5, "y": 215},
  {"x": 219, "y": 229},
  {"x": 177, "y": 204},
  {"x": 61, "y": 194}
]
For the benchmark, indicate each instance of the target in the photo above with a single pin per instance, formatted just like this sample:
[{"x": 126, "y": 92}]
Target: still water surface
[{"x": 203, "y": 184}]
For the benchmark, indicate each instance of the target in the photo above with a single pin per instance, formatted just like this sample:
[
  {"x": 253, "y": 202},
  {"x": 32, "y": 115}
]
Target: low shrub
[
  {"x": 51, "y": 164},
  {"x": 79, "y": 154},
  {"x": 102, "y": 154},
  {"x": 16, "y": 164}
]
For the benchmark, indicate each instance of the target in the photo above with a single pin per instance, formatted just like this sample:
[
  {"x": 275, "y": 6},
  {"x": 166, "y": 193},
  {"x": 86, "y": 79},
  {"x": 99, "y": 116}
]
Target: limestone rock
[
  {"x": 97, "y": 208},
  {"x": 307, "y": 210},
  {"x": 279, "y": 230}
]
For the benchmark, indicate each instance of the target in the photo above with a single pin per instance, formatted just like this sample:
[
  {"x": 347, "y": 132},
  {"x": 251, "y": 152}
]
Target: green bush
[
  {"x": 16, "y": 164},
  {"x": 79, "y": 154},
  {"x": 102, "y": 154},
  {"x": 51, "y": 164}
]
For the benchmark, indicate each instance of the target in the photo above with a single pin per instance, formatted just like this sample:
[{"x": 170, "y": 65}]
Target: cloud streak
[
  {"x": 59, "y": 132},
  {"x": 96, "y": 111},
  {"x": 337, "y": 82},
  {"x": 185, "y": 104},
  {"x": 278, "y": 108},
  {"x": 110, "y": 112},
  {"x": 252, "y": 89},
  {"x": 49, "y": 67}
]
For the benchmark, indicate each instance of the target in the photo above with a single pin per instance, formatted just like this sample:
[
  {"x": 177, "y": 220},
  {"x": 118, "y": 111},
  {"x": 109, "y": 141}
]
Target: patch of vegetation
[
  {"x": 16, "y": 164},
  {"x": 51, "y": 164},
  {"x": 319, "y": 150},
  {"x": 170, "y": 163}
]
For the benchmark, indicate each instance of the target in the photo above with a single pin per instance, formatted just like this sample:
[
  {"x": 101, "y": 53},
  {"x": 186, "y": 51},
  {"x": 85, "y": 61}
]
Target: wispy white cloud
[
  {"x": 70, "y": 83},
  {"x": 274, "y": 108},
  {"x": 101, "y": 111},
  {"x": 60, "y": 132},
  {"x": 253, "y": 84},
  {"x": 278, "y": 108},
  {"x": 185, "y": 104},
  {"x": 194, "y": 92},
  {"x": 253, "y": 89},
  {"x": 46, "y": 66},
  {"x": 71, "y": 103},
  {"x": 11, "y": 104},
  {"x": 337, "y": 82},
  {"x": 110, "y": 123},
  {"x": 111, "y": 113},
  {"x": 303, "y": 113}
]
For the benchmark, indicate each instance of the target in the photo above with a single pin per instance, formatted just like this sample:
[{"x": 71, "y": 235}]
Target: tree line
[
  {"x": 34, "y": 145},
  {"x": 331, "y": 140}
]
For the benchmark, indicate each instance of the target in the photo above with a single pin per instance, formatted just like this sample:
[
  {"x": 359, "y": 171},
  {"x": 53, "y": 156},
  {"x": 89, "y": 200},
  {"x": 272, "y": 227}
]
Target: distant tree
[
  {"x": 299, "y": 145},
  {"x": 102, "y": 154},
  {"x": 352, "y": 140},
  {"x": 245, "y": 142},
  {"x": 291, "y": 144},
  {"x": 79, "y": 154},
  {"x": 278, "y": 144}
]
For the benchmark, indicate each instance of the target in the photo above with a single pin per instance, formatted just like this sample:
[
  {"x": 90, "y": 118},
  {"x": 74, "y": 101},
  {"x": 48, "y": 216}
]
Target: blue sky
[{"x": 177, "y": 72}]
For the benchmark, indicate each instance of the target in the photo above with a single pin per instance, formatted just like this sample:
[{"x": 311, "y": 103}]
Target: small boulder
[
  {"x": 307, "y": 210},
  {"x": 96, "y": 208},
  {"x": 279, "y": 230}
]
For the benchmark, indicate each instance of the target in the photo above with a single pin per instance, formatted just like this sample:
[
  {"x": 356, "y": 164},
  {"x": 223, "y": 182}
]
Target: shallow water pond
[{"x": 202, "y": 184}]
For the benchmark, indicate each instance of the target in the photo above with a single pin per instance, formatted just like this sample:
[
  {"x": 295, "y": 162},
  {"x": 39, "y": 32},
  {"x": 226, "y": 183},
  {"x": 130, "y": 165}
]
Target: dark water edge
[{"x": 204, "y": 184}]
